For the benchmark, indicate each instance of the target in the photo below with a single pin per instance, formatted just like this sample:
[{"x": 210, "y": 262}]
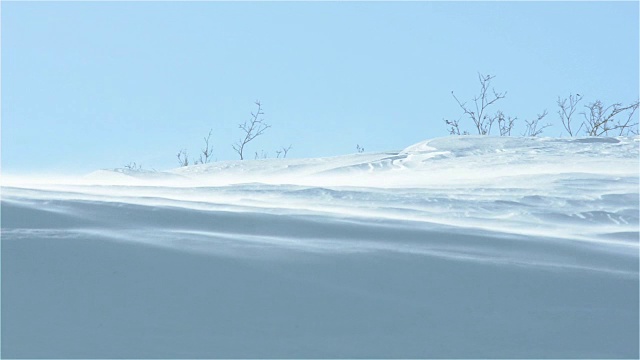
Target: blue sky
[{"x": 89, "y": 85}]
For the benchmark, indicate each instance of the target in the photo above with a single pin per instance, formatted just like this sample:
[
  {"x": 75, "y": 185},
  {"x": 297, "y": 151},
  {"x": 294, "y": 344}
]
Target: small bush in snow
[
  {"x": 478, "y": 111},
  {"x": 132, "y": 166},
  {"x": 599, "y": 120},
  {"x": 283, "y": 151},
  {"x": 183, "y": 159},
  {"x": 252, "y": 128},
  {"x": 566, "y": 112},
  {"x": 534, "y": 128},
  {"x": 206, "y": 152},
  {"x": 612, "y": 120}
]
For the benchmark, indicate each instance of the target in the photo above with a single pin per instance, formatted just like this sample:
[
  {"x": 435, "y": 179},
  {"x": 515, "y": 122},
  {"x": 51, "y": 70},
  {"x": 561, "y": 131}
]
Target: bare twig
[
  {"x": 285, "y": 151},
  {"x": 482, "y": 121},
  {"x": 252, "y": 128},
  {"x": 532, "y": 126},
  {"x": 206, "y": 152},
  {"x": 132, "y": 166},
  {"x": 567, "y": 110},
  {"x": 453, "y": 126},
  {"x": 599, "y": 120},
  {"x": 183, "y": 160},
  {"x": 263, "y": 155},
  {"x": 505, "y": 123}
]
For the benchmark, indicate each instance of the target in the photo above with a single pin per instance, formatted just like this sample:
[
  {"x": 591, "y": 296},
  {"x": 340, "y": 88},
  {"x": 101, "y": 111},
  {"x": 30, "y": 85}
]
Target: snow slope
[{"x": 453, "y": 247}]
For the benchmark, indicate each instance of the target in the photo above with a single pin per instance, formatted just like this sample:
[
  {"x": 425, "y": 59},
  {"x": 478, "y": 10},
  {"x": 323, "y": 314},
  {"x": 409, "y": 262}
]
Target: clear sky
[{"x": 89, "y": 85}]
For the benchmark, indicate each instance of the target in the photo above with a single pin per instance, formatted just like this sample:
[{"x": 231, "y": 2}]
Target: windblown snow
[{"x": 453, "y": 247}]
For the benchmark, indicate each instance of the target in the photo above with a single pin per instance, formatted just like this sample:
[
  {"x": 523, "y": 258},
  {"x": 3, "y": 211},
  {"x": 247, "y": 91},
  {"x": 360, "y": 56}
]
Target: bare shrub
[
  {"x": 478, "y": 111},
  {"x": 183, "y": 159},
  {"x": 132, "y": 166},
  {"x": 505, "y": 123},
  {"x": 285, "y": 151},
  {"x": 533, "y": 126},
  {"x": 252, "y": 128},
  {"x": 600, "y": 120},
  {"x": 453, "y": 126},
  {"x": 567, "y": 110},
  {"x": 207, "y": 151}
]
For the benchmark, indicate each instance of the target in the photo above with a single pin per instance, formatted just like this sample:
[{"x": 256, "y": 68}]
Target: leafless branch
[
  {"x": 183, "y": 160},
  {"x": 263, "y": 155},
  {"x": 453, "y": 126},
  {"x": 505, "y": 123},
  {"x": 532, "y": 125},
  {"x": 481, "y": 102},
  {"x": 567, "y": 110},
  {"x": 599, "y": 120},
  {"x": 285, "y": 151},
  {"x": 132, "y": 166},
  {"x": 206, "y": 152},
  {"x": 252, "y": 128}
]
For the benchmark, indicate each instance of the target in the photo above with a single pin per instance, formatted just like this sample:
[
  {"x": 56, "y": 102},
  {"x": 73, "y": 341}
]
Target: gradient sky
[{"x": 90, "y": 85}]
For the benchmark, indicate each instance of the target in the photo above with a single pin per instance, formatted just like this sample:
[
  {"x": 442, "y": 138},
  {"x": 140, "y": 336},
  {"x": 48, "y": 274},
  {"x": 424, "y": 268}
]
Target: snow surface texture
[{"x": 456, "y": 247}]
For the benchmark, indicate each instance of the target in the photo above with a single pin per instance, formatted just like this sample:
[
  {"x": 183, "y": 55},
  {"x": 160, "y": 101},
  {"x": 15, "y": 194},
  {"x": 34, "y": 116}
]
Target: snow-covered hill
[
  {"x": 453, "y": 247},
  {"x": 466, "y": 160}
]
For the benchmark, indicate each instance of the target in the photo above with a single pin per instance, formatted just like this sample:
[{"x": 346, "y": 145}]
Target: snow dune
[{"x": 453, "y": 247}]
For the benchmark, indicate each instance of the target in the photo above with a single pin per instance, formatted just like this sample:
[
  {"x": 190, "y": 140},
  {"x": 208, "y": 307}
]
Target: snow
[{"x": 453, "y": 247}]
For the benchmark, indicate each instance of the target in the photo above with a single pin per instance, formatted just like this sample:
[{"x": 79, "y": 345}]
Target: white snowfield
[{"x": 456, "y": 247}]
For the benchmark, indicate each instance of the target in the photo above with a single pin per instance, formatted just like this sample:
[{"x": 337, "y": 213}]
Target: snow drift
[{"x": 453, "y": 247}]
